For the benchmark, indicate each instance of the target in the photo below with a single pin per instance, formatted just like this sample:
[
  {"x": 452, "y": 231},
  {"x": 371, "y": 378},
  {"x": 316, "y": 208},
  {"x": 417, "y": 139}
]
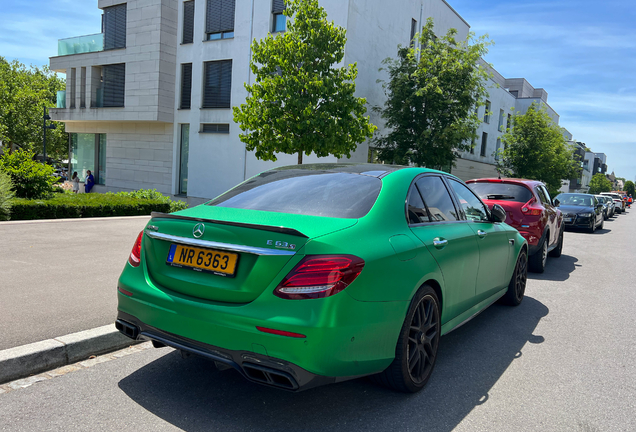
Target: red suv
[{"x": 530, "y": 210}]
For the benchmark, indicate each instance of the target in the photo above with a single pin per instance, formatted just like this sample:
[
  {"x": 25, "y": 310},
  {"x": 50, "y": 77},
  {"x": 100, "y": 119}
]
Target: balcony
[{"x": 81, "y": 44}]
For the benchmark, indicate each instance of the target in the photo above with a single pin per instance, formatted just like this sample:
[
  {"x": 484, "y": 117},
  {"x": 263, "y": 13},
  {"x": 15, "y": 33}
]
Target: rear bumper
[
  {"x": 254, "y": 367},
  {"x": 344, "y": 338}
]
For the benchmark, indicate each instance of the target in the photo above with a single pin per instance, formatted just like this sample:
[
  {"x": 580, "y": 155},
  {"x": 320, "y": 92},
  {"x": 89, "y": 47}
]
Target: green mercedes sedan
[{"x": 313, "y": 274}]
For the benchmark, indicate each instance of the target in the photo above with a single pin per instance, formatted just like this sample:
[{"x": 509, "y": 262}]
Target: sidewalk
[{"x": 59, "y": 277}]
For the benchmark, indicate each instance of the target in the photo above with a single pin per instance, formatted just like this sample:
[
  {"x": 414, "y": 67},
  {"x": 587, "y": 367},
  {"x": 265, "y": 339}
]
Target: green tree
[
  {"x": 535, "y": 148},
  {"x": 630, "y": 188},
  {"x": 23, "y": 94},
  {"x": 433, "y": 92},
  {"x": 31, "y": 179},
  {"x": 599, "y": 183},
  {"x": 6, "y": 196},
  {"x": 300, "y": 102}
]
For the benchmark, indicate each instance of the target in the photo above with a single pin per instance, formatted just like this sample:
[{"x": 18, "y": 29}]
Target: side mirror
[
  {"x": 556, "y": 202},
  {"x": 599, "y": 206},
  {"x": 498, "y": 214}
]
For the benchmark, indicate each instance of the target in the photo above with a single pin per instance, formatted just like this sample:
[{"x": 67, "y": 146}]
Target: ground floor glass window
[
  {"x": 183, "y": 159},
  {"x": 88, "y": 152}
]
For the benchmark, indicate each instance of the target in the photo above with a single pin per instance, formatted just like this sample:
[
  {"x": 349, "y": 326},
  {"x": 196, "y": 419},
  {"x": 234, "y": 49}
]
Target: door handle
[
  {"x": 440, "y": 243},
  {"x": 481, "y": 233}
]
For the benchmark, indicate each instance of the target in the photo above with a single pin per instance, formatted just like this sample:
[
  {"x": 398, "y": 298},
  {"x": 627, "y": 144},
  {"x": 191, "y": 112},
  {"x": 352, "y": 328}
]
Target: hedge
[{"x": 84, "y": 206}]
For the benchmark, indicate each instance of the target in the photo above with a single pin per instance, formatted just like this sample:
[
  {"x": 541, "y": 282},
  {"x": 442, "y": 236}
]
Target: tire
[
  {"x": 592, "y": 228},
  {"x": 517, "y": 285},
  {"x": 416, "y": 350},
  {"x": 602, "y": 224},
  {"x": 556, "y": 252},
  {"x": 537, "y": 261}
]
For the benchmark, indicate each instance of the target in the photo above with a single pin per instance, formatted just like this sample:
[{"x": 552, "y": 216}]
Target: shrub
[
  {"x": 83, "y": 206},
  {"x": 6, "y": 196},
  {"x": 153, "y": 194},
  {"x": 31, "y": 179}
]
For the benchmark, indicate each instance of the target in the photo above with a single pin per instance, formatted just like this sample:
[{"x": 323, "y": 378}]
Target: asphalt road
[
  {"x": 59, "y": 276},
  {"x": 564, "y": 360}
]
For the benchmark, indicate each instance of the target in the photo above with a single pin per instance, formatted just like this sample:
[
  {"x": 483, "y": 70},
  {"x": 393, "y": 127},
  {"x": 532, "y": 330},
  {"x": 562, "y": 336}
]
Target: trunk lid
[{"x": 262, "y": 243}]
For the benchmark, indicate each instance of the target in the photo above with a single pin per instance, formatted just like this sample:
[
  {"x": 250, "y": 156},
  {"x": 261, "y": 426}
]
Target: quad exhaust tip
[{"x": 127, "y": 329}]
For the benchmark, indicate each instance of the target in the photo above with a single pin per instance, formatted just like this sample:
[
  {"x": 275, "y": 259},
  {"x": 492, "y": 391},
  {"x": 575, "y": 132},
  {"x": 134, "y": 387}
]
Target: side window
[
  {"x": 542, "y": 196},
  {"x": 472, "y": 206},
  {"x": 417, "y": 212},
  {"x": 547, "y": 195},
  {"x": 440, "y": 205}
]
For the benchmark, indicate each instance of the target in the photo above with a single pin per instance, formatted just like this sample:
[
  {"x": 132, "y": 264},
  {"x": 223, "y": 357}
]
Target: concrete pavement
[{"x": 59, "y": 277}]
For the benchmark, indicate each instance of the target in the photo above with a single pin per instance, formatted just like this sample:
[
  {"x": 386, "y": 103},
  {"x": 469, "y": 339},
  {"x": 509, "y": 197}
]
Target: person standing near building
[
  {"x": 90, "y": 181},
  {"x": 76, "y": 181}
]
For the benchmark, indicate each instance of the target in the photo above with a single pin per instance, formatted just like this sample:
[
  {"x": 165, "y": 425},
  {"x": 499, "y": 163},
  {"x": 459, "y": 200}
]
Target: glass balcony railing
[
  {"x": 61, "y": 99},
  {"x": 81, "y": 44}
]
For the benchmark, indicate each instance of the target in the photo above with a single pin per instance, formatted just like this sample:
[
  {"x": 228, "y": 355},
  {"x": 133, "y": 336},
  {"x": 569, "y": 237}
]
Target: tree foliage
[
  {"x": 434, "y": 91},
  {"x": 599, "y": 183},
  {"x": 630, "y": 188},
  {"x": 23, "y": 94},
  {"x": 300, "y": 102},
  {"x": 31, "y": 179},
  {"x": 535, "y": 148},
  {"x": 6, "y": 196}
]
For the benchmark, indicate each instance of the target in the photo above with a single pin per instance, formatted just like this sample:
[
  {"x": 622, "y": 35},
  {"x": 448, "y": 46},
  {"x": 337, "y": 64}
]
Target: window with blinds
[
  {"x": 279, "y": 21},
  {"x": 188, "y": 22},
  {"x": 215, "y": 128},
  {"x": 114, "y": 27},
  {"x": 217, "y": 84},
  {"x": 114, "y": 77},
  {"x": 186, "y": 86},
  {"x": 219, "y": 21}
]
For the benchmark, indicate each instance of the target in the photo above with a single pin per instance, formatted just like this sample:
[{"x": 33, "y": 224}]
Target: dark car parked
[
  {"x": 530, "y": 210},
  {"x": 581, "y": 211}
]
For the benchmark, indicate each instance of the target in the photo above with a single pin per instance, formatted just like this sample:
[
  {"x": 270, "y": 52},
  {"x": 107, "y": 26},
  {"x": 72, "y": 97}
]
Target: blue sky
[{"x": 582, "y": 52}]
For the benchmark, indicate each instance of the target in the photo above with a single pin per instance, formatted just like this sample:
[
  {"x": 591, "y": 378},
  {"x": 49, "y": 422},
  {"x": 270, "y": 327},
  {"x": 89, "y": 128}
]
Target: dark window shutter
[
  {"x": 220, "y": 16},
  {"x": 188, "y": 22},
  {"x": 215, "y": 128},
  {"x": 218, "y": 84},
  {"x": 114, "y": 85},
  {"x": 114, "y": 23},
  {"x": 278, "y": 6},
  {"x": 186, "y": 85}
]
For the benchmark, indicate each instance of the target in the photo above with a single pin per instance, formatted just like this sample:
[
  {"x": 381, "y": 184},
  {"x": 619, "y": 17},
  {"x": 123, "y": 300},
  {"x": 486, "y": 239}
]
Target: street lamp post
[{"x": 44, "y": 128}]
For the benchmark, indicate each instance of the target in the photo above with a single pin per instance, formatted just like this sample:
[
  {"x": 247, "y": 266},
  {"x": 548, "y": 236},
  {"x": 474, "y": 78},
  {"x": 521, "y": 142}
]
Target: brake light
[
  {"x": 531, "y": 208},
  {"x": 135, "y": 255},
  {"x": 319, "y": 276}
]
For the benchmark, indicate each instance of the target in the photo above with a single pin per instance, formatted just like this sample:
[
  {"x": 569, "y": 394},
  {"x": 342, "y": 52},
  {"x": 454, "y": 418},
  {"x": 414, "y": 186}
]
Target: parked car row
[{"x": 314, "y": 274}]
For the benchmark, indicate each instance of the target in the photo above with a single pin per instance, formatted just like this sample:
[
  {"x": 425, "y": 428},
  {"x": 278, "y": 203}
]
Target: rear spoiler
[{"x": 279, "y": 229}]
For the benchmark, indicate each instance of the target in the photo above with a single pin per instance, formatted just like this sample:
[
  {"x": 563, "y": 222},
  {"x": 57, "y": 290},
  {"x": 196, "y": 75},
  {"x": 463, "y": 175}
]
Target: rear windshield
[
  {"x": 501, "y": 192},
  {"x": 305, "y": 192}
]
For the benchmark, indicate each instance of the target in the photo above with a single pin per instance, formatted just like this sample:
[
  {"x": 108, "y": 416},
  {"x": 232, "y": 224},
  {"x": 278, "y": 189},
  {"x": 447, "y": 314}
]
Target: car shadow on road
[
  {"x": 192, "y": 395},
  {"x": 557, "y": 269}
]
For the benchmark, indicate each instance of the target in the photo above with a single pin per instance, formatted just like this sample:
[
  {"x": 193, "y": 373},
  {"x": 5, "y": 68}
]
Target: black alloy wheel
[
  {"x": 423, "y": 340},
  {"x": 416, "y": 350},
  {"x": 517, "y": 285}
]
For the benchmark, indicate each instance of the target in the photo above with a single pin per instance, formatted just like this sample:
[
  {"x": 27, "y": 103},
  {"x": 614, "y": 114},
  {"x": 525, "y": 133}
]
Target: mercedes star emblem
[{"x": 198, "y": 230}]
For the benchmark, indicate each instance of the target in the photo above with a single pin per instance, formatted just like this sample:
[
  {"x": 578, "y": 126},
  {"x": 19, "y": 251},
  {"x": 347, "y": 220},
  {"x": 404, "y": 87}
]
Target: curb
[{"x": 25, "y": 360}]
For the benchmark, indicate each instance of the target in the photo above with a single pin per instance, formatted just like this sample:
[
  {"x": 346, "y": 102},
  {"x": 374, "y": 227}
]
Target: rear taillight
[
  {"x": 531, "y": 208},
  {"x": 135, "y": 255},
  {"x": 319, "y": 276}
]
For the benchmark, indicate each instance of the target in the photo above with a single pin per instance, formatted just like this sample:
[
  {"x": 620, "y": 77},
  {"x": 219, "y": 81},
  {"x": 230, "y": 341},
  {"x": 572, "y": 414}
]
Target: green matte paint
[{"x": 351, "y": 333}]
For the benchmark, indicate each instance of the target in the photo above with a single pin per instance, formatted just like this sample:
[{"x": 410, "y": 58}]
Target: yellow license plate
[{"x": 206, "y": 260}]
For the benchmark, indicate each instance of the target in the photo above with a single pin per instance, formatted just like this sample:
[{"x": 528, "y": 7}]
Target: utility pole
[{"x": 44, "y": 128}]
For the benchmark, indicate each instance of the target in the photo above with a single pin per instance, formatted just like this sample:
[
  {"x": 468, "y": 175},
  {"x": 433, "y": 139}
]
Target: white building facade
[{"x": 149, "y": 100}]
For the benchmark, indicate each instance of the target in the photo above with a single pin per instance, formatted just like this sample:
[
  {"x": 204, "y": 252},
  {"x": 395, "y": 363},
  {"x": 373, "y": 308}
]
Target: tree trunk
[{"x": 300, "y": 158}]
